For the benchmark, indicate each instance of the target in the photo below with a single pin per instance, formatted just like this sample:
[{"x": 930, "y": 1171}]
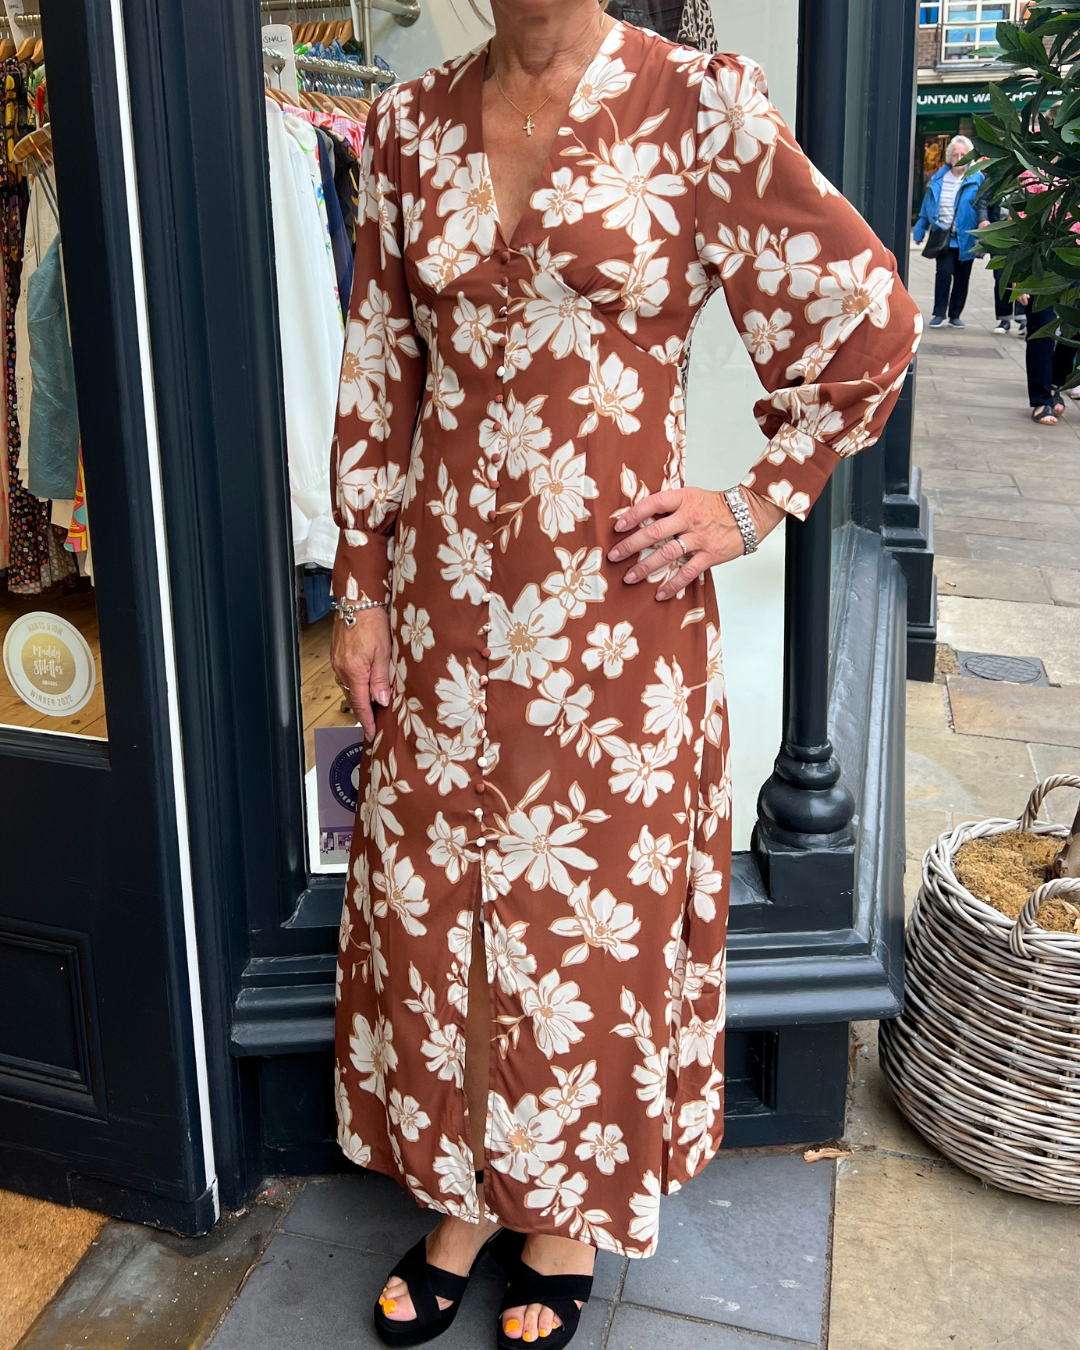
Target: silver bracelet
[
  {"x": 745, "y": 521},
  {"x": 349, "y": 611}
]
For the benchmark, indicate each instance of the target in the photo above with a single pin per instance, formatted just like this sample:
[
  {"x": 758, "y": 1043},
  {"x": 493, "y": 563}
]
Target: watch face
[{"x": 344, "y": 776}]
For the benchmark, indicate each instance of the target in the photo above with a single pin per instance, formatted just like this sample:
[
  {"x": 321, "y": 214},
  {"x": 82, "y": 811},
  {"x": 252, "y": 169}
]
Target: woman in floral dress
[{"x": 531, "y": 980}]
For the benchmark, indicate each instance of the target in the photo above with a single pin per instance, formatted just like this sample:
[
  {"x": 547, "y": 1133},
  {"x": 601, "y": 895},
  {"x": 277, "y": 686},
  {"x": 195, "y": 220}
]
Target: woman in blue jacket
[{"x": 950, "y": 203}]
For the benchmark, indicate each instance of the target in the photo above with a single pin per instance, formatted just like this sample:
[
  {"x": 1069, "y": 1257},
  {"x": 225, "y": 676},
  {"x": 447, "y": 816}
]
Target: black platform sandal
[
  {"x": 560, "y": 1293},
  {"x": 427, "y": 1284}
]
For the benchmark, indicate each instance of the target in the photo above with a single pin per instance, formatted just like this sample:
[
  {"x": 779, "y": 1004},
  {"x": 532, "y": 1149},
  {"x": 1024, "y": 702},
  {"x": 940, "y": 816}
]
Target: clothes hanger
[
  {"x": 7, "y": 49},
  {"x": 39, "y": 53},
  {"x": 26, "y": 48}
]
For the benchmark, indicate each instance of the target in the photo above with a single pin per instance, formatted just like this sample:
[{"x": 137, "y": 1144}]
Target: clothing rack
[
  {"x": 405, "y": 12},
  {"x": 343, "y": 70}
]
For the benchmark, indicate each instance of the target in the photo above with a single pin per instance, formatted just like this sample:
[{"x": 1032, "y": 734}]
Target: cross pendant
[{"x": 528, "y": 127}]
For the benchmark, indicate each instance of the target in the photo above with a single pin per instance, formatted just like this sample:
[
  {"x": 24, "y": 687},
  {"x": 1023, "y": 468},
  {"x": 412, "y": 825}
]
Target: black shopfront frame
[{"x": 817, "y": 905}]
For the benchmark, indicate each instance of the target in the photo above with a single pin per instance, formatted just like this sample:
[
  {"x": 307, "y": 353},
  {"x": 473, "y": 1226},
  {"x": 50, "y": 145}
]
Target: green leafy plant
[{"x": 1030, "y": 152}]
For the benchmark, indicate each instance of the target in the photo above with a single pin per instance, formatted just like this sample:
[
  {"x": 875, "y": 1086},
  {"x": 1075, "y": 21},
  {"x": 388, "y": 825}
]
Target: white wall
[
  {"x": 722, "y": 390},
  {"x": 444, "y": 28}
]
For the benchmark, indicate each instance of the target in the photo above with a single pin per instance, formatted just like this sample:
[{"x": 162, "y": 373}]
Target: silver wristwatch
[
  {"x": 349, "y": 609},
  {"x": 739, "y": 509}
]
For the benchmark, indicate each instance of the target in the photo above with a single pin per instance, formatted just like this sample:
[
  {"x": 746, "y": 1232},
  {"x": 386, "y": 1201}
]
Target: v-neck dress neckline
[{"x": 611, "y": 42}]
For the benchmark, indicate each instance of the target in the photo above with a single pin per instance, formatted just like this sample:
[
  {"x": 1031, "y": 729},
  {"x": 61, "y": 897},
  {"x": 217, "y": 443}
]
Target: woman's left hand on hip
[{"x": 690, "y": 523}]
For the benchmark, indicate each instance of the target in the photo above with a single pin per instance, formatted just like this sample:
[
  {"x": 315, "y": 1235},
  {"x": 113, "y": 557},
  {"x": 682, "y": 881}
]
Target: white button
[
  {"x": 501, "y": 372},
  {"x": 486, "y": 595},
  {"x": 483, "y": 763},
  {"x": 480, "y": 843},
  {"x": 479, "y": 813}
]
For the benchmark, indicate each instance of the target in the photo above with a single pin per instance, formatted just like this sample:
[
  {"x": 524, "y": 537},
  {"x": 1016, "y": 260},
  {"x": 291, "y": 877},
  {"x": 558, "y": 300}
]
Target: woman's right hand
[{"x": 360, "y": 659}]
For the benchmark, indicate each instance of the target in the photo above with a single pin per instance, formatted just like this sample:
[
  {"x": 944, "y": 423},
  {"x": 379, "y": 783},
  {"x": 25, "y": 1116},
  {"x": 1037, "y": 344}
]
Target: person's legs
[
  {"x": 943, "y": 282},
  {"x": 453, "y": 1245},
  {"x": 1003, "y": 305},
  {"x": 1039, "y": 359},
  {"x": 1064, "y": 360},
  {"x": 961, "y": 280}
]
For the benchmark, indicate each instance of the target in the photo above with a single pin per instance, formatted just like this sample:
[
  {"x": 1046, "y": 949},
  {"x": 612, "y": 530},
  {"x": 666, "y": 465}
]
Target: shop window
[
  {"x": 971, "y": 28},
  {"x": 51, "y": 670},
  {"x": 930, "y": 14}
]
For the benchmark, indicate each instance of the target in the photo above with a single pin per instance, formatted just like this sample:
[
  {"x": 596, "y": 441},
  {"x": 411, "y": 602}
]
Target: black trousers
[
  {"x": 1003, "y": 308},
  {"x": 1049, "y": 363},
  {"x": 951, "y": 284}
]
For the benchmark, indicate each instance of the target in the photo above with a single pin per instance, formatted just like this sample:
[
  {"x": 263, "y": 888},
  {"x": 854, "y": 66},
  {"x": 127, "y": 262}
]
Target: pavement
[{"x": 889, "y": 1247}]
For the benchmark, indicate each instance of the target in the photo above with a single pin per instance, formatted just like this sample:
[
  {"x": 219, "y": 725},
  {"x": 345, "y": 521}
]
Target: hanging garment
[
  {"x": 31, "y": 568},
  {"x": 52, "y": 439},
  {"x": 339, "y": 239},
  {"x": 311, "y": 340},
  {"x": 554, "y": 752},
  {"x": 303, "y": 133},
  {"x": 78, "y": 538},
  {"x": 346, "y": 184},
  {"x": 41, "y": 230},
  {"x": 696, "y": 28}
]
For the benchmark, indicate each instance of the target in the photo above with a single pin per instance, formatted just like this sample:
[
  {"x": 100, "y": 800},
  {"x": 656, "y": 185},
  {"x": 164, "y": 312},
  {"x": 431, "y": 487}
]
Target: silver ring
[{"x": 679, "y": 540}]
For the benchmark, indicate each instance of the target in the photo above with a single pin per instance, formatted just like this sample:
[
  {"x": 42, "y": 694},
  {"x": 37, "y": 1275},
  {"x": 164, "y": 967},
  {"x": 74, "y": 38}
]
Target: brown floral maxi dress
[{"x": 554, "y": 753}]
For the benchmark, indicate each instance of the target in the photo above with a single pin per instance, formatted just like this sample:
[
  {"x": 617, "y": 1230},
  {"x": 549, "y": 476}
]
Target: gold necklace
[{"x": 527, "y": 125}]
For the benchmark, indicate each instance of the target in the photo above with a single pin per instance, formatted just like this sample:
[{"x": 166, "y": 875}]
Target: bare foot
[
  {"x": 549, "y": 1256},
  {"x": 452, "y": 1246}
]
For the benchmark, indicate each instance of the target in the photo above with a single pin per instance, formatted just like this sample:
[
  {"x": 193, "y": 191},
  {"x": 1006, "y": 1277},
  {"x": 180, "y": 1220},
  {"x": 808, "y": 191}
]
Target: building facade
[{"x": 957, "y": 61}]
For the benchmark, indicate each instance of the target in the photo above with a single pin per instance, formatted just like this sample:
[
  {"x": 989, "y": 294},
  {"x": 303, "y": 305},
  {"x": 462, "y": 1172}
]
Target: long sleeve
[
  {"x": 382, "y": 377},
  {"x": 813, "y": 292}
]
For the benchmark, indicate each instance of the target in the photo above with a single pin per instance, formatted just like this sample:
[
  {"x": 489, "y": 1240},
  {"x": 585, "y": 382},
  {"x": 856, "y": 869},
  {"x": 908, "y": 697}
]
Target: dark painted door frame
[{"x": 107, "y": 1106}]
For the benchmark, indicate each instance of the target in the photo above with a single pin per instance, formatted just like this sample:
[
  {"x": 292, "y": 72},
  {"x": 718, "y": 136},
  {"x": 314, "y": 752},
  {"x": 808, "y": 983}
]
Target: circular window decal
[
  {"x": 49, "y": 664},
  {"x": 345, "y": 776}
]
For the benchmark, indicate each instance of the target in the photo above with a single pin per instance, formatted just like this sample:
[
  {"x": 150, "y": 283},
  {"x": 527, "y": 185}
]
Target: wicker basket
[{"x": 985, "y": 1061}]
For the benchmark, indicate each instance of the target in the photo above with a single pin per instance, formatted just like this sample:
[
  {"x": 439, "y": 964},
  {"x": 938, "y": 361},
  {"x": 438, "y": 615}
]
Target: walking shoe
[
  {"x": 936, "y": 322},
  {"x": 957, "y": 323},
  {"x": 1002, "y": 326},
  {"x": 1021, "y": 327}
]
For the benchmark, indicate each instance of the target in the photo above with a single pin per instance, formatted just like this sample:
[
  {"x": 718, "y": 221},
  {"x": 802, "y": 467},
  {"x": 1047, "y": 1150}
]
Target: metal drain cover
[{"x": 1008, "y": 669}]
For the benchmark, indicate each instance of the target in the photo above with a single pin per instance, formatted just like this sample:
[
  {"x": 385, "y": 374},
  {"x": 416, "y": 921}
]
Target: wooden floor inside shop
[
  {"x": 320, "y": 698},
  {"x": 79, "y": 609}
]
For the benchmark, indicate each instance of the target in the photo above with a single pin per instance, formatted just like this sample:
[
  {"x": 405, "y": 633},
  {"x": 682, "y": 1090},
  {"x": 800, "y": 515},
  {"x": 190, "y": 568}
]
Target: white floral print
[{"x": 549, "y": 778}]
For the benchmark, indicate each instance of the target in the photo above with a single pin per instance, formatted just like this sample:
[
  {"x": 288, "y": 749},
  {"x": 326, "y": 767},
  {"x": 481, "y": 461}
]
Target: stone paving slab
[
  {"x": 993, "y": 581},
  {"x": 1046, "y": 552},
  {"x": 971, "y": 777},
  {"x": 1008, "y": 629},
  {"x": 1015, "y": 712},
  {"x": 640, "y": 1329},
  {"x": 1064, "y": 584},
  {"x": 744, "y": 1244},
  {"x": 141, "y": 1289},
  {"x": 925, "y": 1256}
]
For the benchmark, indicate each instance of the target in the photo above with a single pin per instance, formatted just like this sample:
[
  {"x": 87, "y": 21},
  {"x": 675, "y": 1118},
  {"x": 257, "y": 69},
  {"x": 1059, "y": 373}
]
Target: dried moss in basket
[{"x": 1004, "y": 869}]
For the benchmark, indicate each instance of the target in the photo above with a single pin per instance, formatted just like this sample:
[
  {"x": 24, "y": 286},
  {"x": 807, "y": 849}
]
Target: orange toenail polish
[
  {"x": 543, "y": 1331},
  {"x": 389, "y": 1305},
  {"x": 513, "y": 1325},
  {"x": 526, "y": 1337}
]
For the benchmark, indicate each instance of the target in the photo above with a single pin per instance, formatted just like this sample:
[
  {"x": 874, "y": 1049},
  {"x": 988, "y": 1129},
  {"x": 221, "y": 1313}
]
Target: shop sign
[
  {"x": 49, "y": 664},
  {"x": 945, "y": 99}
]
